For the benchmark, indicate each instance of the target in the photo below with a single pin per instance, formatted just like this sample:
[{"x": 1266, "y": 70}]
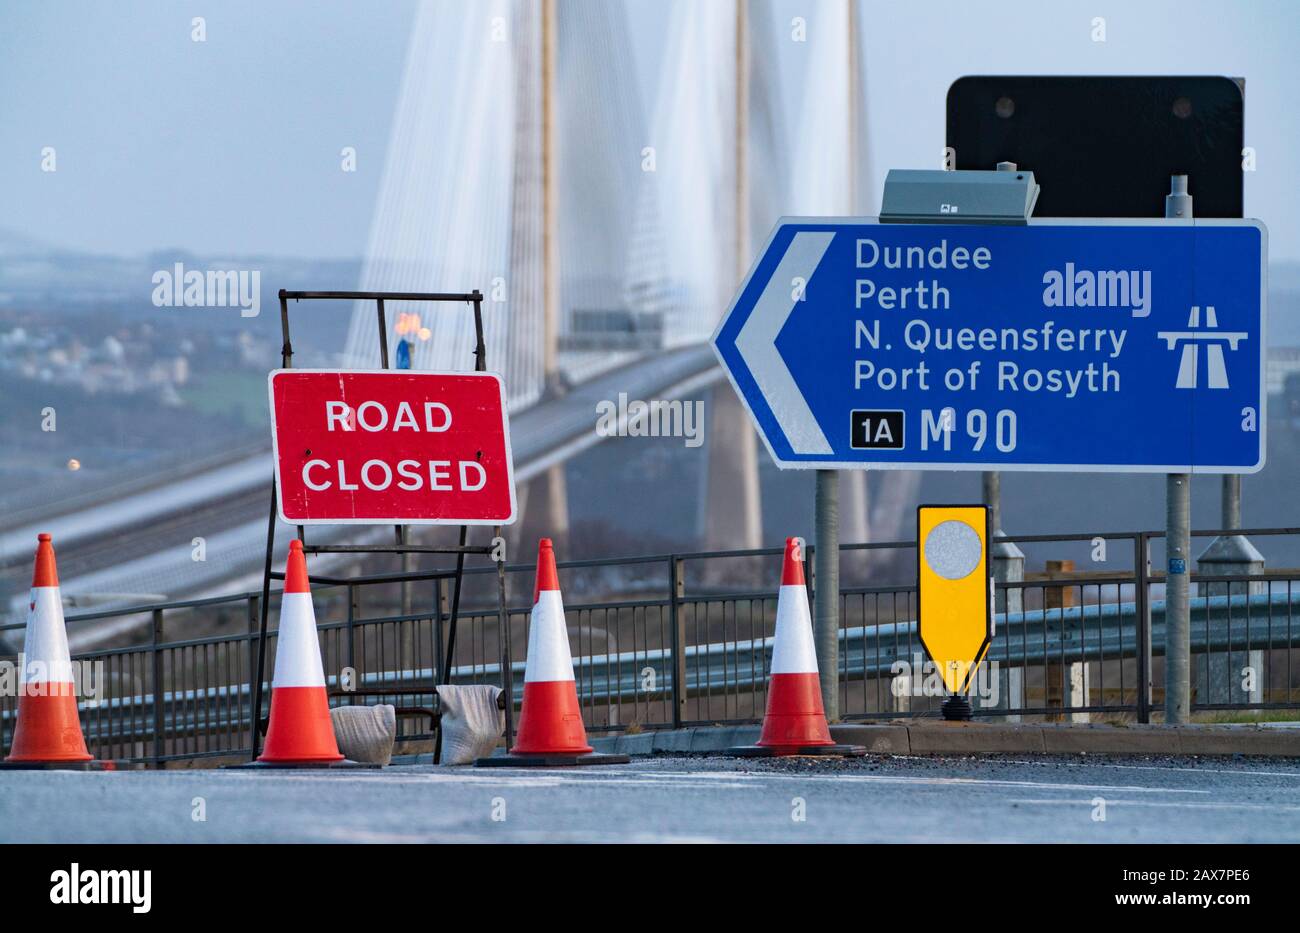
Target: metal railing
[{"x": 685, "y": 639}]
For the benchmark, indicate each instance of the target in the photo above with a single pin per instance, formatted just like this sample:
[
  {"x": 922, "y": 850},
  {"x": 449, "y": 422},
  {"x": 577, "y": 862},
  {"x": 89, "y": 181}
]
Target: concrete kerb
[
  {"x": 1074, "y": 738},
  {"x": 932, "y": 737},
  {"x": 974, "y": 738},
  {"x": 885, "y": 738},
  {"x": 1262, "y": 739}
]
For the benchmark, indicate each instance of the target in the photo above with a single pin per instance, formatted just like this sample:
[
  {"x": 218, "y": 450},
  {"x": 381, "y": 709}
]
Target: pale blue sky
[
  {"x": 232, "y": 145},
  {"x": 229, "y": 145}
]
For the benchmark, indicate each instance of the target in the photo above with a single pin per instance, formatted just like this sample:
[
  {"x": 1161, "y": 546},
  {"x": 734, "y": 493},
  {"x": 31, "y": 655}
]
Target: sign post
[{"x": 1178, "y": 526}]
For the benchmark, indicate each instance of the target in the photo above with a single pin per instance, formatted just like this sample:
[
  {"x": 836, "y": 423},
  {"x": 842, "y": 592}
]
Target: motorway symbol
[
  {"x": 1217, "y": 376},
  {"x": 954, "y": 590},
  {"x": 389, "y": 447},
  {"x": 1107, "y": 345}
]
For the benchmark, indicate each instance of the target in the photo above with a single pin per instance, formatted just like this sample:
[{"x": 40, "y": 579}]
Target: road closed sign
[{"x": 385, "y": 447}]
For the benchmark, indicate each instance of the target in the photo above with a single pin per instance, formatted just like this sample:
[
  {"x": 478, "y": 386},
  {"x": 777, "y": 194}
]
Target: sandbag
[
  {"x": 471, "y": 722},
  {"x": 365, "y": 733}
]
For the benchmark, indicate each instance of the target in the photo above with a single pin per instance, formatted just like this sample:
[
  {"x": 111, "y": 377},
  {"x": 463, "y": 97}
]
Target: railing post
[
  {"x": 441, "y": 604},
  {"x": 676, "y": 590},
  {"x": 352, "y": 641},
  {"x": 1142, "y": 622},
  {"x": 507, "y": 651},
  {"x": 254, "y": 614},
  {"x": 156, "y": 640}
]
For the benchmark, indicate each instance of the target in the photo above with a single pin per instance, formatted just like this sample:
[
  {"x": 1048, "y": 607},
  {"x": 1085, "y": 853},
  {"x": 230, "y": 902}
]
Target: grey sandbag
[
  {"x": 471, "y": 722},
  {"x": 365, "y": 733}
]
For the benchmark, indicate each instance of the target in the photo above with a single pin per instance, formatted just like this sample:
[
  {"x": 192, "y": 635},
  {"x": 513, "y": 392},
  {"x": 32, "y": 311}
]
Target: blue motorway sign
[{"x": 1088, "y": 345}]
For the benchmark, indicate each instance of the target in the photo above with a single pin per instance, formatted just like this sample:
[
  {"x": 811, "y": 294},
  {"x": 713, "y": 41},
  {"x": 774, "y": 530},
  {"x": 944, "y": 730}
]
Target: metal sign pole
[
  {"x": 444, "y": 675},
  {"x": 400, "y": 535},
  {"x": 1178, "y": 544},
  {"x": 826, "y": 572},
  {"x": 286, "y": 362}
]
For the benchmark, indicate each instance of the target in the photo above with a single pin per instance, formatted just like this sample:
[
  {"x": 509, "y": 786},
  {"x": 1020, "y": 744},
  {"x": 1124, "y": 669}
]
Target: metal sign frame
[{"x": 461, "y": 549}]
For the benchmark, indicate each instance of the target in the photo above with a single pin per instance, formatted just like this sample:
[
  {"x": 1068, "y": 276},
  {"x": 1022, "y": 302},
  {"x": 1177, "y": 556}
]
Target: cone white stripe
[
  {"x": 45, "y": 647},
  {"x": 548, "y": 641},
  {"x": 297, "y": 652},
  {"x": 793, "y": 652}
]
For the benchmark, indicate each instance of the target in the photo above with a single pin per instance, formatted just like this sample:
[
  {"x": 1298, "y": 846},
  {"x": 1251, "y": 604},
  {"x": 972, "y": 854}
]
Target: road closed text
[
  {"x": 392, "y": 447},
  {"x": 410, "y": 475},
  {"x": 378, "y": 475}
]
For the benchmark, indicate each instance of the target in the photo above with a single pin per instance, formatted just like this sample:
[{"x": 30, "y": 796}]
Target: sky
[{"x": 231, "y": 146}]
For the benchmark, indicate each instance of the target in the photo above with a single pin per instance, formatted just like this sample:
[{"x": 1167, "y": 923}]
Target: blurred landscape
[
  {"x": 229, "y": 152},
  {"x": 138, "y": 389}
]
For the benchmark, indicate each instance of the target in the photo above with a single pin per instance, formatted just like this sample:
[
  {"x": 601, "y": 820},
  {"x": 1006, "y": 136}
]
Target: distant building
[{"x": 1280, "y": 363}]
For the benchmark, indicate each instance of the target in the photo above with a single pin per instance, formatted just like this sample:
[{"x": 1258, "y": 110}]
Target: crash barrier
[{"x": 686, "y": 639}]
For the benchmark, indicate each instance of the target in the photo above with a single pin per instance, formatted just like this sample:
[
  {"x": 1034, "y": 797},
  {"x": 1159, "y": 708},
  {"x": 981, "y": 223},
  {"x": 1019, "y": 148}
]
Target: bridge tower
[
  {"x": 544, "y": 505},
  {"x": 854, "y": 502},
  {"x": 732, "y": 509}
]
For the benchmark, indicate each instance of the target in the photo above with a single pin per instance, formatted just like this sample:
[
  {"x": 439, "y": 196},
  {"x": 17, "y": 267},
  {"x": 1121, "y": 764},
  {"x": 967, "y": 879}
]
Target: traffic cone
[
  {"x": 48, "y": 732},
  {"x": 550, "y": 721},
  {"x": 795, "y": 721},
  {"x": 301, "y": 732}
]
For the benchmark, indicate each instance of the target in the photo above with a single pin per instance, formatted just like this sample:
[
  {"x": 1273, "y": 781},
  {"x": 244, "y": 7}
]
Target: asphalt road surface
[{"x": 675, "y": 800}]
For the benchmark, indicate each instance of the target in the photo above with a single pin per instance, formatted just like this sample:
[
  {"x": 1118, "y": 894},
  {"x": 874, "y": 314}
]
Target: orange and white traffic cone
[
  {"x": 300, "y": 733},
  {"x": 48, "y": 732},
  {"x": 795, "y": 721},
  {"x": 550, "y": 721}
]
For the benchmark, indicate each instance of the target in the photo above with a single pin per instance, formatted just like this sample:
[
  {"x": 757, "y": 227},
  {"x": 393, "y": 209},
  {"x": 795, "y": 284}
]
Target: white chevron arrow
[{"x": 756, "y": 343}]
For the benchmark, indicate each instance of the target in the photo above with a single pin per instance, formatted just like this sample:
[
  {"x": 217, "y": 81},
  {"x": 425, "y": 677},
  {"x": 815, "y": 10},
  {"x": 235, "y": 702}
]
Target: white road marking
[
  {"x": 507, "y": 833},
  {"x": 748, "y": 779},
  {"x": 1175, "y": 804},
  {"x": 528, "y": 778},
  {"x": 538, "y": 778},
  {"x": 1294, "y": 775},
  {"x": 956, "y": 781}
]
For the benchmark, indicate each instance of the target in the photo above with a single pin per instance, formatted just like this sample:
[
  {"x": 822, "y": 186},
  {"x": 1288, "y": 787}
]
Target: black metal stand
[
  {"x": 957, "y": 709},
  {"x": 463, "y": 548}
]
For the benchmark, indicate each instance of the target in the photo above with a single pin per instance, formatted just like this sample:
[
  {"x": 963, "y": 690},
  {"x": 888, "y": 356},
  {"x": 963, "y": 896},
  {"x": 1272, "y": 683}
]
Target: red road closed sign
[{"x": 391, "y": 447}]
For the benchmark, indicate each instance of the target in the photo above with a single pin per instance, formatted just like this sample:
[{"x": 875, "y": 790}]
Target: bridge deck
[{"x": 141, "y": 543}]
